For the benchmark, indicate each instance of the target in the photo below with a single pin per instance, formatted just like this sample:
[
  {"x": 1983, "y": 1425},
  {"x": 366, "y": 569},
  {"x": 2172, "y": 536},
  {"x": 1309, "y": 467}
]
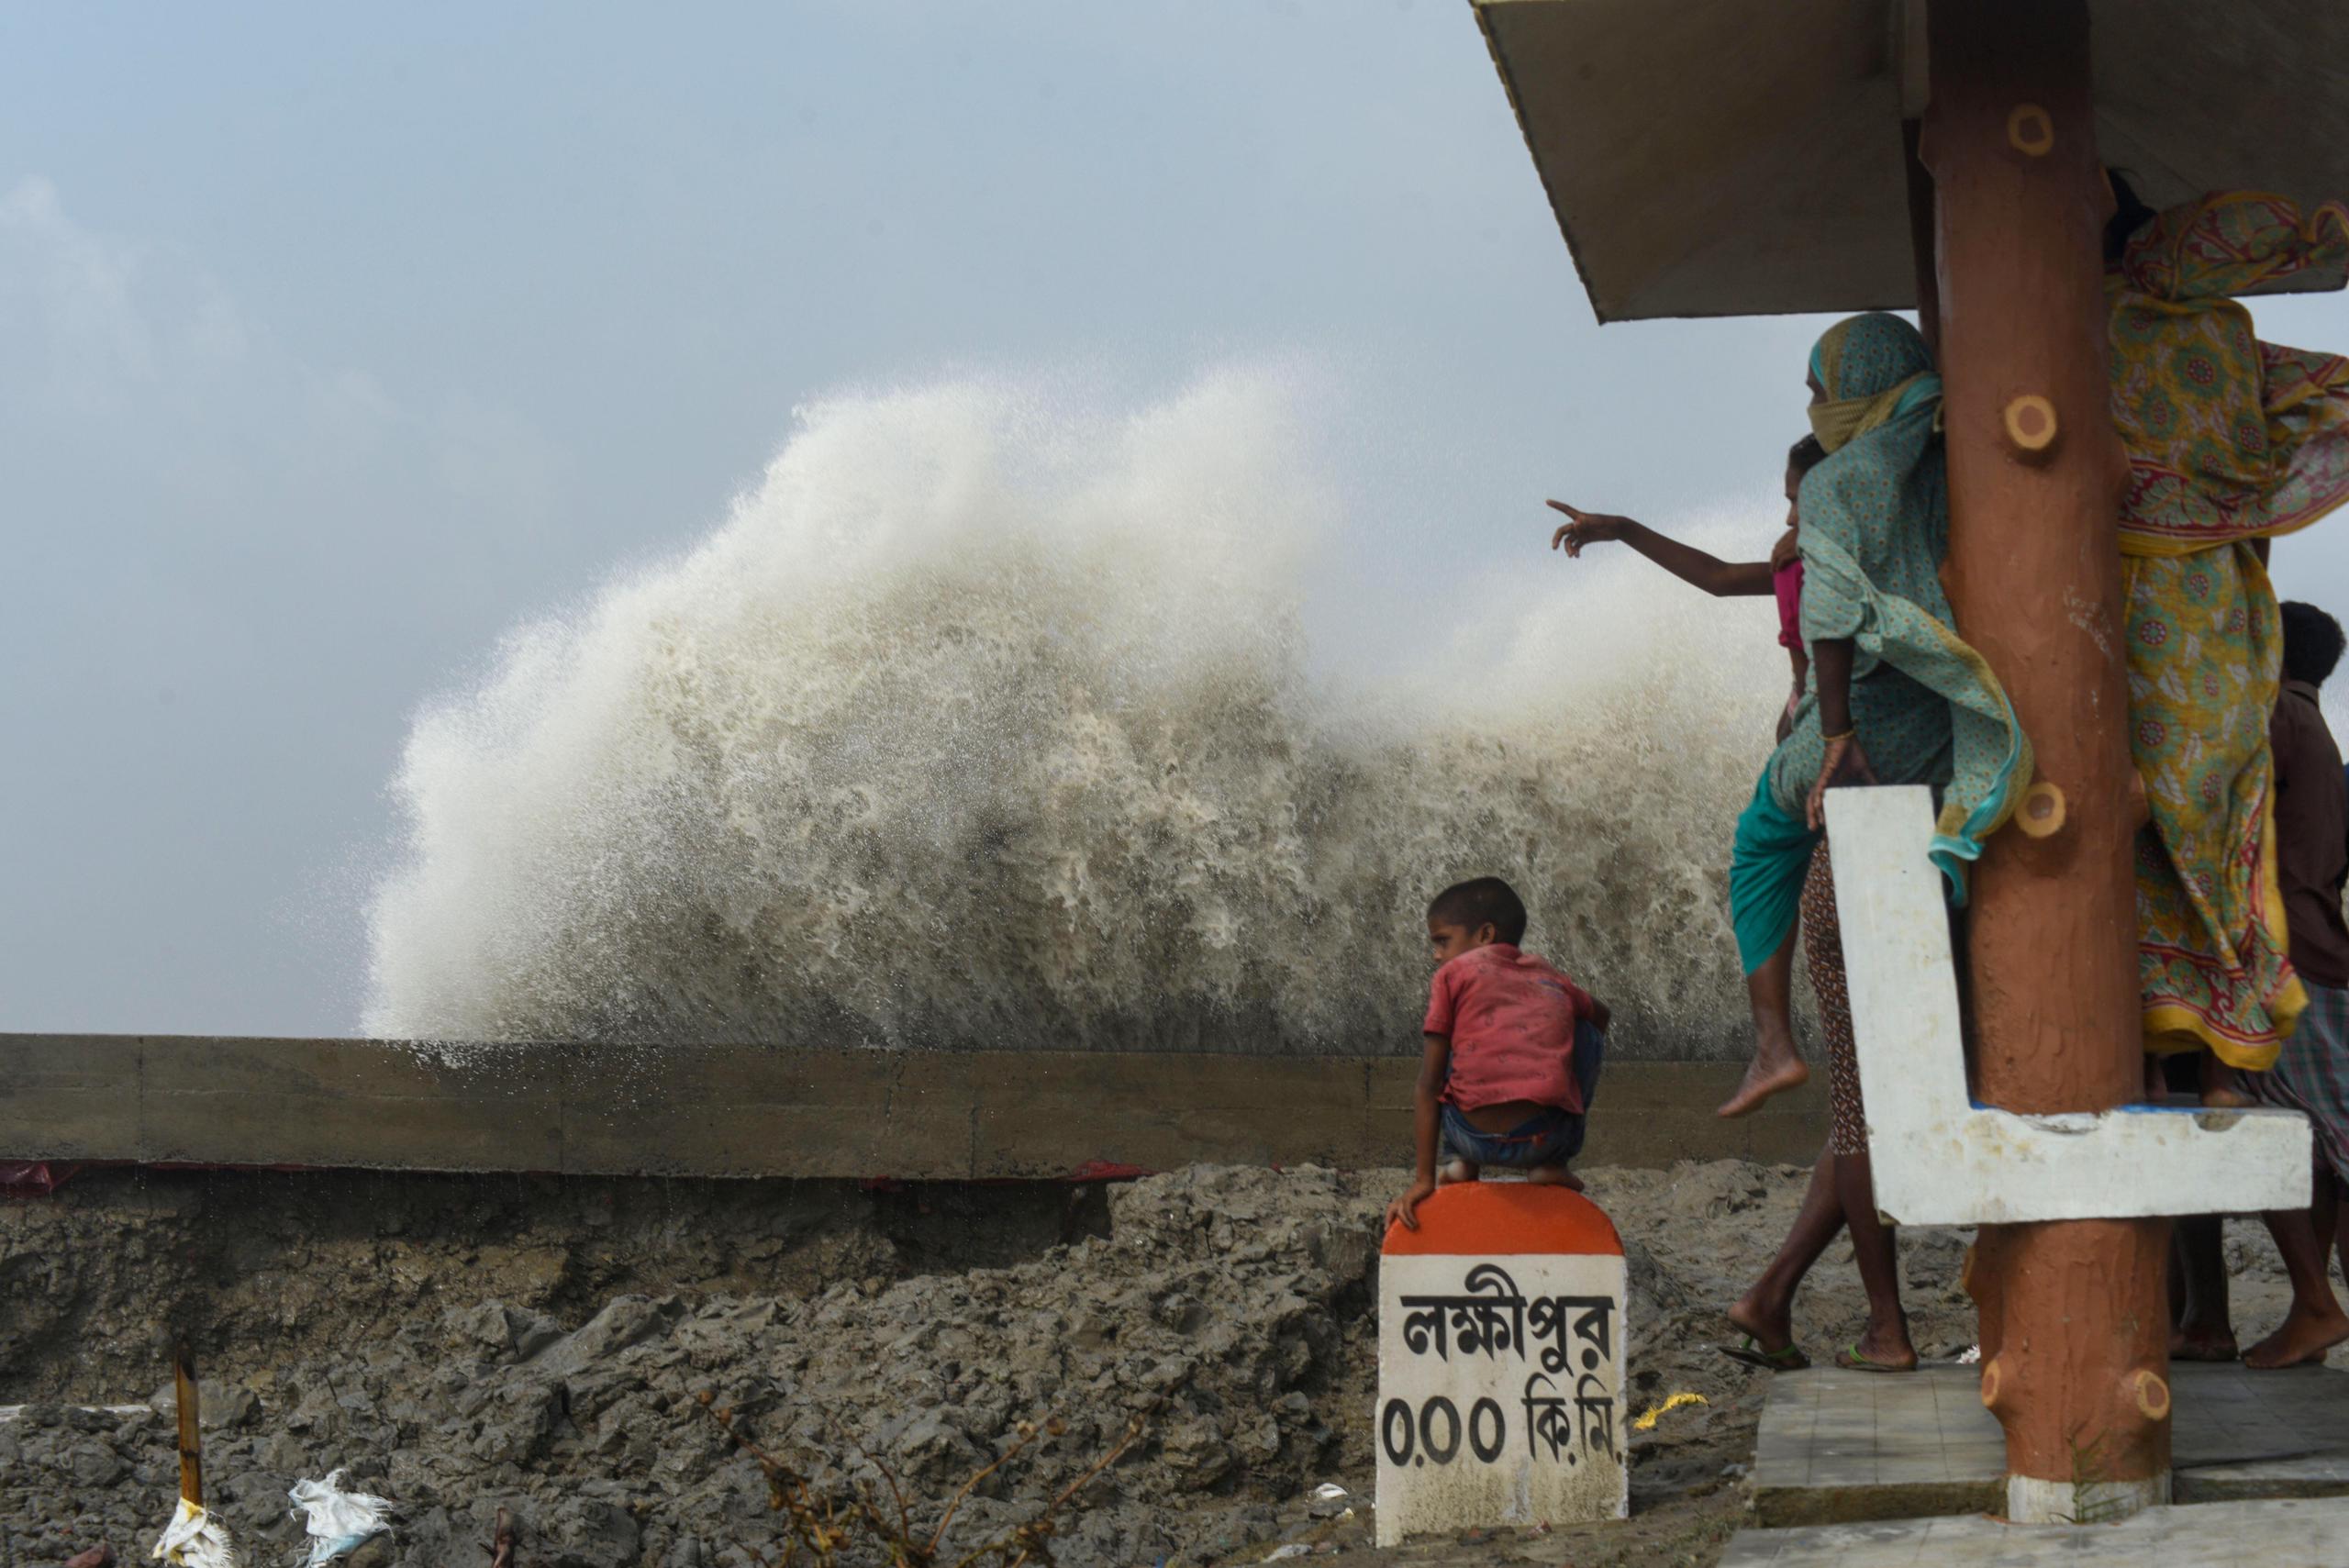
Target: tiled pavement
[
  {"x": 2302, "y": 1533},
  {"x": 1840, "y": 1445}
]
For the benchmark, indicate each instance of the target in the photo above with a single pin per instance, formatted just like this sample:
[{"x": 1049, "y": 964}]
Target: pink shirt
[
  {"x": 1511, "y": 1020},
  {"x": 1786, "y": 583}
]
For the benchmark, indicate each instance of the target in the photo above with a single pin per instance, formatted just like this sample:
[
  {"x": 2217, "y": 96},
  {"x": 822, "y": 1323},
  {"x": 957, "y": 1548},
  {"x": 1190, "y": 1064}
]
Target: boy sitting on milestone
[{"x": 1513, "y": 1051}]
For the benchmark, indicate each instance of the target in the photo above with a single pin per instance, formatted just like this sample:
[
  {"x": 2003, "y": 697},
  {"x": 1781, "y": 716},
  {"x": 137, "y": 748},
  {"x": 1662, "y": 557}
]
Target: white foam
[{"x": 985, "y": 719}]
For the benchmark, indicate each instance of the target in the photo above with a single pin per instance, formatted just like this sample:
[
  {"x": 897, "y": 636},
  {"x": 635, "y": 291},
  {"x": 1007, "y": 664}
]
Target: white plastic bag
[
  {"x": 338, "y": 1521},
  {"x": 195, "y": 1540}
]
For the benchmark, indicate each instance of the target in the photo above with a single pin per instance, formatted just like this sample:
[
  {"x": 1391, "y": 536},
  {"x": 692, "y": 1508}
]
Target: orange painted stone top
[{"x": 1489, "y": 1220}]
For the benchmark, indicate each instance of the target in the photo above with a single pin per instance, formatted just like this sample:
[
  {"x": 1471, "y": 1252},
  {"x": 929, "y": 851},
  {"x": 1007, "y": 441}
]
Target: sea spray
[{"x": 987, "y": 720}]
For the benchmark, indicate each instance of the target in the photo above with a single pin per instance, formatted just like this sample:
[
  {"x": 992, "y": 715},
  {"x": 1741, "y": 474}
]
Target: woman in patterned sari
[{"x": 2230, "y": 442}]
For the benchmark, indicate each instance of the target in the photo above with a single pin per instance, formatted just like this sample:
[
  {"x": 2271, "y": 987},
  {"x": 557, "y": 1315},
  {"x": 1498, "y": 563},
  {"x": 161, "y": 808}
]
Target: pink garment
[
  {"x": 1786, "y": 584},
  {"x": 1511, "y": 1020}
]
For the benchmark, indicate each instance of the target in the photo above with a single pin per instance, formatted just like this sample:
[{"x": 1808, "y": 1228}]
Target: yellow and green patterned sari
[{"x": 2230, "y": 439}]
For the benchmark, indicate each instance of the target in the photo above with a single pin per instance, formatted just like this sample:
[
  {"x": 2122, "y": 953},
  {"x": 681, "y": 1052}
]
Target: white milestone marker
[{"x": 1500, "y": 1363}]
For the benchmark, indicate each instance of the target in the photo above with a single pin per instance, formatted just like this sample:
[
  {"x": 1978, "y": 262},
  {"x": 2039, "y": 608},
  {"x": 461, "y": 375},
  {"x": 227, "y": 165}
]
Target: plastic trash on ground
[
  {"x": 1329, "y": 1500},
  {"x": 195, "y": 1540},
  {"x": 1293, "y": 1549},
  {"x": 1646, "y": 1423},
  {"x": 337, "y": 1521},
  {"x": 1973, "y": 1354}
]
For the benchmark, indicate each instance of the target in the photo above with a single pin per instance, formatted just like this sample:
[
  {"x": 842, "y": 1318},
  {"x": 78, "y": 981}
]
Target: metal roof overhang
[{"x": 1728, "y": 158}]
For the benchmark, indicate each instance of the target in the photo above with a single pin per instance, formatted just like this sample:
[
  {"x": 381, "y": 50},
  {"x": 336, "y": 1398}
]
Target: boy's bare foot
[
  {"x": 2300, "y": 1339},
  {"x": 1764, "y": 1079},
  {"x": 1554, "y": 1176},
  {"x": 1456, "y": 1170}
]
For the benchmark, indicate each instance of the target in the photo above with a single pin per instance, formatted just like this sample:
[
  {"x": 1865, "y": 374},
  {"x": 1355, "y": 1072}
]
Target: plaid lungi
[{"x": 2311, "y": 1073}]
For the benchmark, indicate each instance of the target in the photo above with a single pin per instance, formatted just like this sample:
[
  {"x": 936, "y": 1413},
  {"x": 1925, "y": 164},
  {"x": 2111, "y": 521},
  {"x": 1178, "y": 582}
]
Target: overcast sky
[{"x": 332, "y": 344}]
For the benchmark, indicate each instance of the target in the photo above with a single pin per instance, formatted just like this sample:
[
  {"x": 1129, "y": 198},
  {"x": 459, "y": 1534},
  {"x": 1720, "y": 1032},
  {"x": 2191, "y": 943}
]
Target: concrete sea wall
[{"x": 760, "y": 1111}]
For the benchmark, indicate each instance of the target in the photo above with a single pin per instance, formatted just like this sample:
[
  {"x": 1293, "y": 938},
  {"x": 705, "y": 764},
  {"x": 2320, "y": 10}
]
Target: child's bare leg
[
  {"x": 1554, "y": 1176},
  {"x": 1456, "y": 1170},
  {"x": 1778, "y": 1064}
]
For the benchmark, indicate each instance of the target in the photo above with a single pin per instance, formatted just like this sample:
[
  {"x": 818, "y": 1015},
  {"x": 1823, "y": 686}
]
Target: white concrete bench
[{"x": 1939, "y": 1158}]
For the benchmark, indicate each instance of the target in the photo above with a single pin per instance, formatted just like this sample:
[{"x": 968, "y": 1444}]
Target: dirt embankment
[{"x": 461, "y": 1345}]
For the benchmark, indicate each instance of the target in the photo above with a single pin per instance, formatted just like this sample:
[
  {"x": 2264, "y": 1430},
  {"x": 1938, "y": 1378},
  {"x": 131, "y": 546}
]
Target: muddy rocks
[
  {"x": 554, "y": 1367},
  {"x": 504, "y": 1333},
  {"x": 624, "y": 1322},
  {"x": 592, "y": 1533}
]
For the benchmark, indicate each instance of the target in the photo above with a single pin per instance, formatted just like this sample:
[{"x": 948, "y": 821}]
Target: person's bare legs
[
  {"x": 1884, "y": 1341},
  {"x": 2201, "y": 1329},
  {"x": 2316, "y": 1323},
  {"x": 1766, "y": 1311},
  {"x": 1777, "y": 1063}
]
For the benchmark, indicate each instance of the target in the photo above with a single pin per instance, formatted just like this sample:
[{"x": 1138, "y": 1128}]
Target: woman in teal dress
[{"x": 1896, "y": 695}]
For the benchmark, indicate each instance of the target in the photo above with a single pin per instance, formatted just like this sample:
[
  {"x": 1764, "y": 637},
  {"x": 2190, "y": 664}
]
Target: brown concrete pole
[{"x": 2076, "y": 1358}]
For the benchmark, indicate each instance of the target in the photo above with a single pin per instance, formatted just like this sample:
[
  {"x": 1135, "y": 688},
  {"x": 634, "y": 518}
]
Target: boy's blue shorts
[{"x": 1550, "y": 1137}]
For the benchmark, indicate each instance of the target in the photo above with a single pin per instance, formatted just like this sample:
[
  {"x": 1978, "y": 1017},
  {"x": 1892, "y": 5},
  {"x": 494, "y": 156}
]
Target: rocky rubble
[
  {"x": 1230, "y": 1306},
  {"x": 543, "y": 1347}
]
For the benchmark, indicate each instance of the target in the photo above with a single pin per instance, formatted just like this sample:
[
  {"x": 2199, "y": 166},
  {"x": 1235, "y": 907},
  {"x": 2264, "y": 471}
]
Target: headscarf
[{"x": 1874, "y": 530}]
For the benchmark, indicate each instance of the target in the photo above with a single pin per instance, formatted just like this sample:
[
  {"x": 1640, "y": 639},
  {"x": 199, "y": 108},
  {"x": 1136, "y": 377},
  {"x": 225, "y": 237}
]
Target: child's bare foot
[
  {"x": 2301, "y": 1339},
  {"x": 1762, "y": 1078},
  {"x": 2202, "y": 1342},
  {"x": 1554, "y": 1176},
  {"x": 1457, "y": 1171}
]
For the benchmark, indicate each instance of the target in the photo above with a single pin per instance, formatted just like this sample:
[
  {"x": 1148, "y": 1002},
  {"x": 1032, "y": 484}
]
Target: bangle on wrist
[{"x": 1846, "y": 735}]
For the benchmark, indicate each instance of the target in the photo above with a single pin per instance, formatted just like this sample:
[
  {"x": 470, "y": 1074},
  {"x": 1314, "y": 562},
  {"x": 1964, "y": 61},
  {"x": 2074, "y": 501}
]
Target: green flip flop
[
  {"x": 1853, "y": 1360},
  {"x": 1785, "y": 1358}
]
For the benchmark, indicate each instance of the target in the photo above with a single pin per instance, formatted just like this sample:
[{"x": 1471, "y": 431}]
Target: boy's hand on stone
[
  {"x": 1588, "y": 527},
  {"x": 1404, "y": 1210}
]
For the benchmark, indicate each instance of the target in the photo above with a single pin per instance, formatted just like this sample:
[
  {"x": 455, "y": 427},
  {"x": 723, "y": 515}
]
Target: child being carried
[{"x": 1513, "y": 1051}]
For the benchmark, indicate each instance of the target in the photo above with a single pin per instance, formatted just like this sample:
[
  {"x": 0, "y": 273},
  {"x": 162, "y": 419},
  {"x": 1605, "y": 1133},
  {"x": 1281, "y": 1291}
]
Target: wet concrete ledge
[{"x": 760, "y": 1111}]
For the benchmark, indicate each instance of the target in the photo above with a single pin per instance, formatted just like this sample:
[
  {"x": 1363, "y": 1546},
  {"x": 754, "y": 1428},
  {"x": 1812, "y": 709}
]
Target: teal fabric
[
  {"x": 1875, "y": 531},
  {"x": 1767, "y": 868}
]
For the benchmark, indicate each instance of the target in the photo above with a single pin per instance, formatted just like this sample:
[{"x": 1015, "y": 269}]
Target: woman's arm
[
  {"x": 1722, "y": 579},
  {"x": 1424, "y": 1114},
  {"x": 1842, "y": 762}
]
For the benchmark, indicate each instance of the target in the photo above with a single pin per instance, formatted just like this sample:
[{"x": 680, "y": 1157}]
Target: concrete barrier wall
[{"x": 720, "y": 1110}]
